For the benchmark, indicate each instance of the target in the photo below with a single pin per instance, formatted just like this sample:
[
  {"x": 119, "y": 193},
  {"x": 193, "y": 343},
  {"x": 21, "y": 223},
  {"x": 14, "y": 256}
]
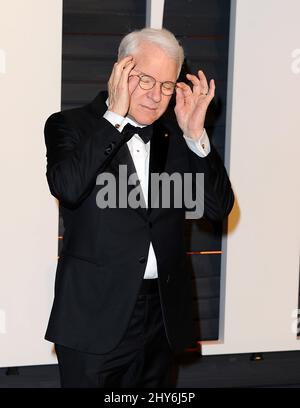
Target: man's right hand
[{"x": 118, "y": 91}]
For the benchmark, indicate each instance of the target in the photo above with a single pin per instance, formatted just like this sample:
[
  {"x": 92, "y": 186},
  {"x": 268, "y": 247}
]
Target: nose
[{"x": 155, "y": 92}]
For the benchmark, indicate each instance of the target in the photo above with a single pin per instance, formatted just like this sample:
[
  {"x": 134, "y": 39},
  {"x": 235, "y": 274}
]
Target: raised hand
[
  {"x": 192, "y": 104},
  {"x": 118, "y": 90}
]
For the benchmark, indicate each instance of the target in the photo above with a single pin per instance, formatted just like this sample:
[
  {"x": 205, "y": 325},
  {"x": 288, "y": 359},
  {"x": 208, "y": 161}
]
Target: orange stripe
[{"x": 204, "y": 253}]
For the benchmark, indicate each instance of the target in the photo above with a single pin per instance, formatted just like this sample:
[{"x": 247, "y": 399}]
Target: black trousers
[{"x": 142, "y": 359}]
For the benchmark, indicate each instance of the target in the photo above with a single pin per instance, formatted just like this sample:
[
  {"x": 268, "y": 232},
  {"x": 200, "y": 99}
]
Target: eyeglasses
[{"x": 147, "y": 82}]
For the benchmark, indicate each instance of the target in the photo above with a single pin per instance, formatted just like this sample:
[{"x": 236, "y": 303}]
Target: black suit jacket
[{"x": 104, "y": 253}]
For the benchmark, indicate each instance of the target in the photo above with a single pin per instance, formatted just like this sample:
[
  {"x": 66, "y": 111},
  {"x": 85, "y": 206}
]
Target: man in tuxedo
[{"x": 123, "y": 299}]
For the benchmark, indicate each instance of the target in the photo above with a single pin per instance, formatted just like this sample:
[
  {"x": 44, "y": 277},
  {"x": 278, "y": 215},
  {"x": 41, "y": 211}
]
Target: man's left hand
[{"x": 192, "y": 104}]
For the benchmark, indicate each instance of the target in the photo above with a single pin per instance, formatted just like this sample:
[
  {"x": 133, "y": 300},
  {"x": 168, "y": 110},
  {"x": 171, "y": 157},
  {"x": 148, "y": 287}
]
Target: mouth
[{"x": 148, "y": 108}]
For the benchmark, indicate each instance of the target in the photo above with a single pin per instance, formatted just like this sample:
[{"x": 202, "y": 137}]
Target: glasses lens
[
  {"x": 147, "y": 82},
  {"x": 168, "y": 88}
]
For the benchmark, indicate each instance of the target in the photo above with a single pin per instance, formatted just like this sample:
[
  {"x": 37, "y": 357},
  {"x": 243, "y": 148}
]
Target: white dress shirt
[{"x": 140, "y": 153}]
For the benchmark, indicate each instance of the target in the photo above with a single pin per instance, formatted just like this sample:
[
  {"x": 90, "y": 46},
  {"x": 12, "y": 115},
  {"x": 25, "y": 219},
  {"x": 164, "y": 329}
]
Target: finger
[
  {"x": 128, "y": 67},
  {"x": 124, "y": 60},
  {"x": 119, "y": 68},
  {"x": 210, "y": 95},
  {"x": 179, "y": 99},
  {"x": 203, "y": 82},
  {"x": 185, "y": 94},
  {"x": 123, "y": 64},
  {"x": 114, "y": 76},
  {"x": 186, "y": 89},
  {"x": 196, "y": 84},
  {"x": 112, "y": 73},
  {"x": 212, "y": 88},
  {"x": 125, "y": 73}
]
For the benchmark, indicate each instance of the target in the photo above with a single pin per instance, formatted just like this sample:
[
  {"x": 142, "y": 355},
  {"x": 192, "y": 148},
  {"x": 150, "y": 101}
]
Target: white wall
[
  {"x": 260, "y": 272},
  {"x": 30, "y": 83},
  {"x": 154, "y": 13}
]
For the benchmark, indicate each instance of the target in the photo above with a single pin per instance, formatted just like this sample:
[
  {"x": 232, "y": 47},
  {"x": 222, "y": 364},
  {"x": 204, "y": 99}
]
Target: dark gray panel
[
  {"x": 196, "y": 26},
  {"x": 205, "y": 265},
  {"x": 206, "y": 308},
  {"x": 216, "y": 134},
  {"x": 206, "y": 48},
  {"x": 91, "y": 46},
  {"x": 215, "y": 8},
  {"x": 207, "y": 329},
  {"x": 213, "y": 69},
  {"x": 194, "y": 18},
  {"x": 103, "y": 23},
  {"x": 86, "y": 70},
  {"x": 102, "y": 7},
  {"x": 202, "y": 28},
  {"x": 206, "y": 287},
  {"x": 80, "y": 93}
]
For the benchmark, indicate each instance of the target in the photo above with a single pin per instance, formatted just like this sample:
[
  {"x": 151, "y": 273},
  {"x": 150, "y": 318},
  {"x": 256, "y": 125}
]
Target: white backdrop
[
  {"x": 260, "y": 272},
  {"x": 30, "y": 83}
]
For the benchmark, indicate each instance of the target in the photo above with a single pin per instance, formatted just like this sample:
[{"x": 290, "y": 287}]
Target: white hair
[{"x": 162, "y": 38}]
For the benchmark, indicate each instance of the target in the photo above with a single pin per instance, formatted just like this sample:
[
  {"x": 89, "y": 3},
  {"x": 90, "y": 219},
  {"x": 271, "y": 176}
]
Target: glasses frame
[{"x": 141, "y": 75}]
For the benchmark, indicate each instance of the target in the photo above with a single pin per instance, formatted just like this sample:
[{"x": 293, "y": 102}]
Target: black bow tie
[{"x": 145, "y": 132}]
